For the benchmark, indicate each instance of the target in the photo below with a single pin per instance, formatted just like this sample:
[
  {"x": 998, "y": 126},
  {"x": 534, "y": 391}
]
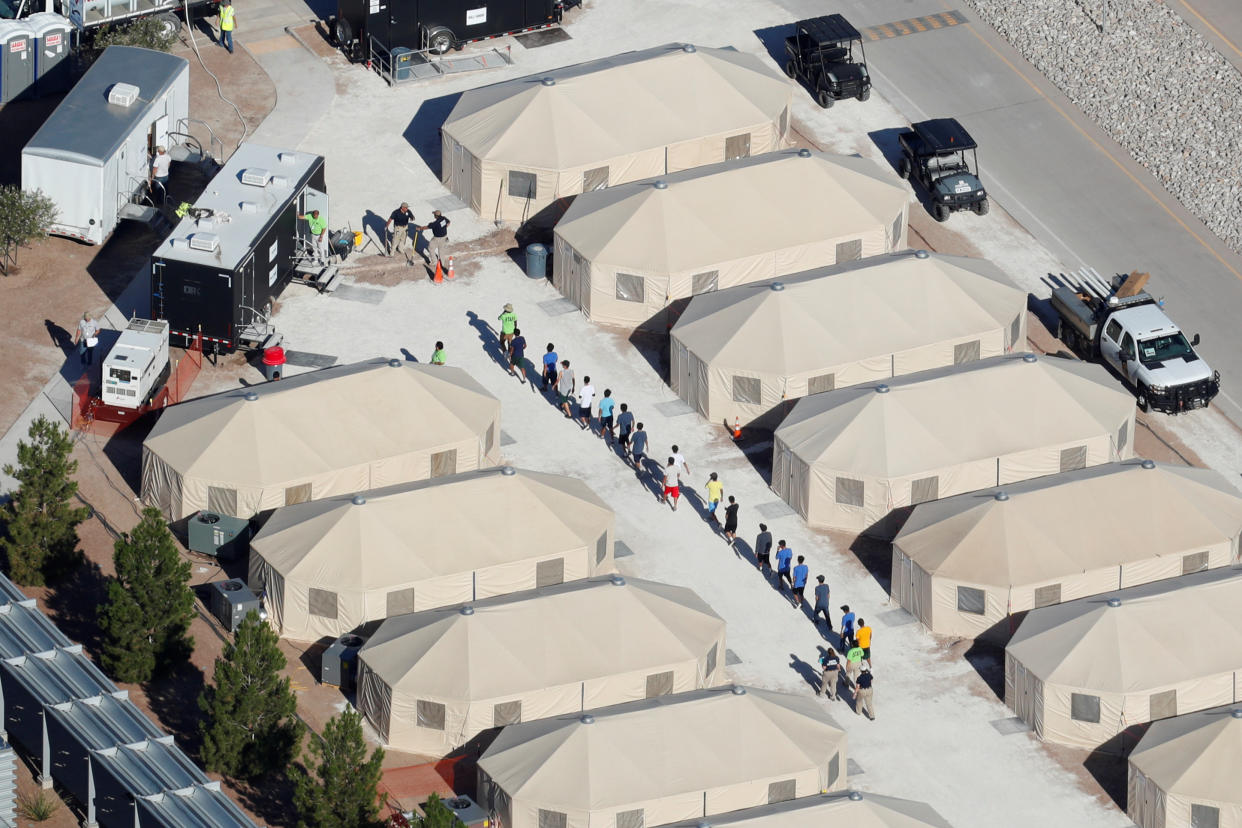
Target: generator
[
  {"x": 137, "y": 366},
  {"x": 339, "y": 663},
  {"x": 232, "y": 601},
  {"x": 221, "y": 536}
]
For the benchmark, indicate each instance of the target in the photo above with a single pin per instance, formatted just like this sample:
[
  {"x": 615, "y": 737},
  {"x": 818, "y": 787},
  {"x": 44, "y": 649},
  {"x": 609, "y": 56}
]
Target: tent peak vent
[
  {"x": 586, "y": 718},
  {"x": 508, "y": 471},
  {"x": 251, "y": 396},
  {"x": 777, "y": 286},
  {"x": 1236, "y": 712},
  {"x": 921, "y": 254},
  {"x": 1030, "y": 358},
  {"x": 1148, "y": 464},
  {"x": 1114, "y": 602},
  {"x": 617, "y": 580},
  {"x": 358, "y": 500},
  {"x": 548, "y": 81},
  {"x": 804, "y": 153},
  {"x": 882, "y": 389},
  {"x": 702, "y": 823},
  {"x": 1001, "y": 496},
  {"x": 738, "y": 691},
  {"x": 394, "y": 363},
  {"x": 688, "y": 48},
  {"x": 660, "y": 185},
  {"x": 466, "y": 610},
  {"x": 856, "y": 796}
]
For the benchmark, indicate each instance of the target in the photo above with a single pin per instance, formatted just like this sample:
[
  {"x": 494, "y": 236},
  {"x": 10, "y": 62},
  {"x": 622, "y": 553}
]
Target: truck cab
[{"x": 1154, "y": 356}]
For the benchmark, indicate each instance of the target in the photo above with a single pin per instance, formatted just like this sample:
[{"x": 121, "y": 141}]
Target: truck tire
[
  {"x": 1140, "y": 397},
  {"x": 940, "y": 212},
  {"x": 343, "y": 33},
  {"x": 865, "y": 94},
  {"x": 903, "y": 168},
  {"x": 440, "y": 39},
  {"x": 980, "y": 207},
  {"x": 790, "y": 69},
  {"x": 824, "y": 98},
  {"x": 169, "y": 23}
]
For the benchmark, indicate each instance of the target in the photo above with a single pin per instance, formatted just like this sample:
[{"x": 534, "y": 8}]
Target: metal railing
[{"x": 215, "y": 144}]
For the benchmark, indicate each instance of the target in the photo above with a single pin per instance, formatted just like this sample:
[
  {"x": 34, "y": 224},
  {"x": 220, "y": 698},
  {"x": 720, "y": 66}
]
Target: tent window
[
  {"x": 737, "y": 146},
  {"x": 1046, "y": 596},
  {"x": 552, "y": 819},
  {"x": 596, "y": 179},
  {"x": 400, "y": 602},
  {"x": 748, "y": 390},
  {"x": 490, "y": 441},
  {"x": 849, "y": 491},
  {"x": 705, "y": 282},
  {"x": 522, "y": 184},
  {"x": 631, "y": 288},
  {"x": 1123, "y": 434},
  {"x": 782, "y": 791},
  {"x": 601, "y": 549},
  {"x": 710, "y": 667},
  {"x": 1015, "y": 330},
  {"x": 971, "y": 600},
  {"x": 507, "y": 713},
  {"x": 1073, "y": 458},
  {"x": 848, "y": 251},
  {"x": 896, "y": 237},
  {"x": 444, "y": 463},
  {"x": 834, "y": 769},
  {"x": 430, "y": 714},
  {"x": 222, "y": 501},
  {"x": 550, "y": 573},
  {"x": 659, "y": 684},
  {"x": 322, "y": 603},
  {"x": 1204, "y": 816},
  {"x": 297, "y": 494},
  {"x": 925, "y": 489},
  {"x": 966, "y": 352},
  {"x": 631, "y": 819},
  {"x": 1163, "y": 705},
  {"x": 1195, "y": 562},
  {"x": 1084, "y": 708},
  {"x": 822, "y": 383}
]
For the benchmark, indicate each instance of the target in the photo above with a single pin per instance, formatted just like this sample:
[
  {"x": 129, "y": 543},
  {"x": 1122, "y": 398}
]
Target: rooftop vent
[
  {"x": 180, "y": 244},
  {"x": 207, "y": 242},
  {"x": 1148, "y": 464},
  {"x": 287, "y": 158},
  {"x": 920, "y": 254},
  {"x": 777, "y": 286},
  {"x": 1114, "y": 602},
  {"x": 738, "y": 691},
  {"x": 205, "y": 223},
  {"x": 358, "y": 500},
  {"x": 508, "y": 471},
  {"x": 122, "y": 94},
  {"x": 280, "y": 181},
  {"x": 249, "y": 207},
  {"x": 804, "y": 153},
  {"x": 256, "y": 177},
  {"x": 1001, "y": 496}
]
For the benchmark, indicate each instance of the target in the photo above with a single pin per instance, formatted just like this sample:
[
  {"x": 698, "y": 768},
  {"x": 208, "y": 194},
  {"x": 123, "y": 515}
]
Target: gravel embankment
[{"x": 1151, "y": 82}]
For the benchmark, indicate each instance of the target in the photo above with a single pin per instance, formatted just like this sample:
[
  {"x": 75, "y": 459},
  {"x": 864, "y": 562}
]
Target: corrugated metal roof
[
  {"x": 202, "y": 806},
  {"x": 59, "y": 675},
  {"x": 150, "y": 767},
  {"x": 24, "y": 630},
  {"x": 105, "y": 721}
]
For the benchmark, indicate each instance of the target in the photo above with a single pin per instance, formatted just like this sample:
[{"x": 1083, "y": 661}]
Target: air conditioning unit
[
  {"x": 280, "y": 181},
  {"x": 256, "y": 177},
  {"x": 249, "y": 207},
  {"x": 122, "y": 94},
  {"x": 339, "y": 664},
  {"x": 220, "y": 536},
  {"x": 207, "y": 242},
  {"x": 288, "y": 157},
  {"x": 232, "y": 601}
]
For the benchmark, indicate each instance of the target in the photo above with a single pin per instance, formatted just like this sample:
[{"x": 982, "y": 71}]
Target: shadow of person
[
  {"x": 808, "y": 672},
  {"x": 375, "y": 225},
  {"x": 489, "y": 339},
  {"x": 61, "y": 338}
]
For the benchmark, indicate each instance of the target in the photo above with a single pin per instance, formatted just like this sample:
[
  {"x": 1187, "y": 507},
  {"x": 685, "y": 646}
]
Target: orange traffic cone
[
  {"x": 451, "y": 274},
  {"x": 737, "y": 429},
  {"x": 439, "y": 277}
]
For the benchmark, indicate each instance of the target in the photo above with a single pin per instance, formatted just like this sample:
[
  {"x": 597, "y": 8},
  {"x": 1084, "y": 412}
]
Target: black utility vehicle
[
  {"x": 940, "y": 155},
  {"x": 827, "y": 54}
]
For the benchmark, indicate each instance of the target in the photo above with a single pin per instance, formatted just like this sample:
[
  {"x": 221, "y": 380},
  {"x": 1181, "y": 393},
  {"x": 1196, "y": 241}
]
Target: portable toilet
[
  {"x": 51, "y": 48},
  {"x": 16, "y": 60}
]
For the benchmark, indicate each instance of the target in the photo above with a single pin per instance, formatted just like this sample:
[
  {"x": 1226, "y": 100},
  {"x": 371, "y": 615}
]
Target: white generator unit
[{"x": 137, "y": 366}]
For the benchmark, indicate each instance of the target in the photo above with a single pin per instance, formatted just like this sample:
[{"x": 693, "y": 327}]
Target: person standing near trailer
[
  {"x": 319, "y": 233},
  {"x": 86, "y": 338},
  {"x": 160, "y": 166},
  {"x": 398, "y": 229},
  {"x": 228, "y": 22}
]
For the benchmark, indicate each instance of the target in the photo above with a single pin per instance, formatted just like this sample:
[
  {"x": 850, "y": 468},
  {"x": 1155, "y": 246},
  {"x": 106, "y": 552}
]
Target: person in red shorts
[{"x": 672, "y": 481}]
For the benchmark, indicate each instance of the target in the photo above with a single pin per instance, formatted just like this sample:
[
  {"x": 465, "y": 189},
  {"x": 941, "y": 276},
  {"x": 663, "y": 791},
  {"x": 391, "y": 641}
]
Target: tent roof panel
[
  {"x": 1195, "y": 755},
  {"x": 867, "y": 811}
]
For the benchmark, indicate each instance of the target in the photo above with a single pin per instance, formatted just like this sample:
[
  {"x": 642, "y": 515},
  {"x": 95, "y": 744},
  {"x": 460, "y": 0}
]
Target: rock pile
[{"x": 1151, "y": 82}]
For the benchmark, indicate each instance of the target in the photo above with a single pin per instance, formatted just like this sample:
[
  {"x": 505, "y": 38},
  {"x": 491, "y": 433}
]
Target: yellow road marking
[
  {"x": 918, "y": 26},
  {"x": 1211, "y": 28},
  {"x": 271, "y": 44}
]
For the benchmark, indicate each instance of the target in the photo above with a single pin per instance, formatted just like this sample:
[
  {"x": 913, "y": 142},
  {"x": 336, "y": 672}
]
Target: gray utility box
[
  {"x": 220, "y": 536},
  {"x": 339, "y": 665},
  {"x": 232, "y": 601}
]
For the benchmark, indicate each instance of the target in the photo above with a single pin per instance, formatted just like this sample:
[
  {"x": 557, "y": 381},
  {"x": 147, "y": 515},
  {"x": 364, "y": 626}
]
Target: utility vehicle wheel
[
  {"x": 790, "y": 69},
  {"x": 1141, "y": 399},
  {"x": 169, "y": 24},
  {"x": 865, "y": 94},
  {"x": 940, "y": 212},
  {"x": 440, "y": 40},
  {"x": 903, "y": 169},
  {"x": 980, "y": 207},
  {"x": 824, "y": 98},
  {"x": 344, "y": 33}
]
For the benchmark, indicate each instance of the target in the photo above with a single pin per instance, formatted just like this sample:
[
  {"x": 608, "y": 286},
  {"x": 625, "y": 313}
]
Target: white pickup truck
[
  {"x": 92, "y": 14},
  {"x": 1124, "y": 326}
]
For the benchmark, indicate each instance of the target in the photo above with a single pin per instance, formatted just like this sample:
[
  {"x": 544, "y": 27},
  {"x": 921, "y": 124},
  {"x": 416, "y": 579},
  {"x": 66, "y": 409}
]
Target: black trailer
[
  {"x": 436, "y": 25},
  {"x": 219, "y": 271}
]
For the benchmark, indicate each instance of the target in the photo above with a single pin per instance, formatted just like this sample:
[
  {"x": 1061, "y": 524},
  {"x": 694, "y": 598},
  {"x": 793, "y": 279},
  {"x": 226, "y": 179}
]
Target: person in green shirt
[
  {"x": 853, "y": 663},
  {"x": 437, "y": 356},
  {"x": 508, "y": 324},
  {"x": 319, "y": 233}
]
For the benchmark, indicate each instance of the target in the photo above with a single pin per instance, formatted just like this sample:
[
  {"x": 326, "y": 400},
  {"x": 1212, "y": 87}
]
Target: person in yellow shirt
[
  {"x": 715, "y": 494},
  {"x": 228, "y": 22},
  {"x": 863, "y": 636}
]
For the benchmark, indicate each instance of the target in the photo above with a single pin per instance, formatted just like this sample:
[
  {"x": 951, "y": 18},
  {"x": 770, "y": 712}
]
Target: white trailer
[
  {"x": 92, "y": 156},
  {"x": 137, "y": 365}
]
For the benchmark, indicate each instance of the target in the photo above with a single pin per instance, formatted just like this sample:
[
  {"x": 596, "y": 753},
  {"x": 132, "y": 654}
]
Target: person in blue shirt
[
  {"x": 847, "y": 627},
  {"x": 625, "y": 427},
  {"x": 800, "y": 573},
  {"x": 606, "y": 426},
  {"x": 784, "y": 556},
  {"x": 549, "y": 367}
]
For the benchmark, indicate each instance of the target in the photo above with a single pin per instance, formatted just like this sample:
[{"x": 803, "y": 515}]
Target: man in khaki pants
[{"x": 863, "y": 695}]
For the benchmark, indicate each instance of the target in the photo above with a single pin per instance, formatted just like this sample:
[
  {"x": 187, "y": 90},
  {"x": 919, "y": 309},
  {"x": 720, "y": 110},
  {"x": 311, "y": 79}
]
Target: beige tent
[
  {"x": 963, "y": 564},
  {"x": 431, "y": 681},
  {"x": 1185, "y": 772},
  {"x": 662, "y": 760},
  {"x": 328, "y": 432},
  {"x": 835, "y": 810},
  {"x": 845, "y": 459},
  {"x": 625, "y": 253},
  {"x": 741, "y": 353},
  {"x": 1081, "y": 672},
  {"x": 333, "y": 564},
  {"x": 513, "y": 148}
]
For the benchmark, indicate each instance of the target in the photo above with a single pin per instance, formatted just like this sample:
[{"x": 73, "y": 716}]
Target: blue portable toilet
[
  {"x": 16, "y": 59},
  {"x": 51, "y": 52}
]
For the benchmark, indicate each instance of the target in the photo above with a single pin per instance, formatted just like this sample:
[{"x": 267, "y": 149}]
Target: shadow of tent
[
  {"x": 538, "y": 228},
  {"x": 423, "y": 132},
  {"x": 1109, "y": 766}
]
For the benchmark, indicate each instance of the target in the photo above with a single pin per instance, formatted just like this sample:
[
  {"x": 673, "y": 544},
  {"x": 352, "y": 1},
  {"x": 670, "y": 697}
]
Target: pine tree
[
  {"x": 341, "y": 790},
  {"x": 40, "y": 542},
  {"x": 250, "y": 727},
  {"x": 146, "y": 617},
  {"x": 438, "y": 815}
]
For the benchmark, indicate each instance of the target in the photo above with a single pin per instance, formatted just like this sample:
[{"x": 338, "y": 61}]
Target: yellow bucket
[{"x": 357, "y": 238}]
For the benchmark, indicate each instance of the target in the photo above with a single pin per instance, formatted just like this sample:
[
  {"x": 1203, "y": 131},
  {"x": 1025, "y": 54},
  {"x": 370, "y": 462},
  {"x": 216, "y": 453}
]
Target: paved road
[
  {"x": 1220, "y": 21},
  {"x": 1074, "y": 188}
]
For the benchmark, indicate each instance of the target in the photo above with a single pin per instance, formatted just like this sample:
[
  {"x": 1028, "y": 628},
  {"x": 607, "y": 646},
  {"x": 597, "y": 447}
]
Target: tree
[
  {"x": 24, "y": 217},
  {"x": 438, "y": 815},
  {"x": 147, "y": 32},
  {"x": 146, "y": 616},
  {"x": 250, "y": 727},
  {"x": 341, "y": 790},
  {"x": 40, "y": 542}
]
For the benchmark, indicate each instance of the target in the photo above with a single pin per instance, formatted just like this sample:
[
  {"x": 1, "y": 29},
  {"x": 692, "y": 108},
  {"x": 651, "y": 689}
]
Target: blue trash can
[{"x": 536, "y": 261}]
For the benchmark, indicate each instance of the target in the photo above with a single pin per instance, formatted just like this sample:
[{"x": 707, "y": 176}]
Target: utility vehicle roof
[
  {"x": 944, "y": 135},
  {"x": 831, "y": 28}
]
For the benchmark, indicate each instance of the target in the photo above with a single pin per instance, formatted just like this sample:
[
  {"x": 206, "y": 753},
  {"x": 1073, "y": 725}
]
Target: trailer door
[
  {"x": 159, "y": 134},
  {"x": 537, "y": 12},
  {"x": 247, "y": 312}
]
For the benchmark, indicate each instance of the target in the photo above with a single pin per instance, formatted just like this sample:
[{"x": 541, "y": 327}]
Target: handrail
[{"x": 217, "y": 146}]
